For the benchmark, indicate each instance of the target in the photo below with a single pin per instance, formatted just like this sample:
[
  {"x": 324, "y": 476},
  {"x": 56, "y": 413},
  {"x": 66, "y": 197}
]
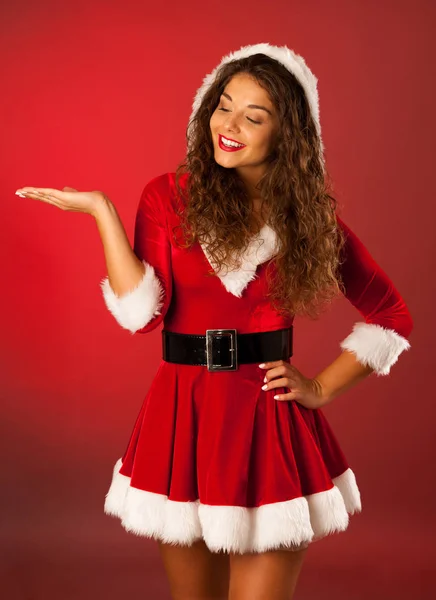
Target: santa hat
[{"x": 285, "y": 56}]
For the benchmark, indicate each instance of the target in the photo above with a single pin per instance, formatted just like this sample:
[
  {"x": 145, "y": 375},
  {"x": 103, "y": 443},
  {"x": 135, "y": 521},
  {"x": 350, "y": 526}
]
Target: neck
[{"x": 250, "y": 178}]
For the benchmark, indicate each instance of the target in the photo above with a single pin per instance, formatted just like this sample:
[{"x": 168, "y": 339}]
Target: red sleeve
[
  {"x": 382, "y": 336},
  {"x": 141, "y": 310}
]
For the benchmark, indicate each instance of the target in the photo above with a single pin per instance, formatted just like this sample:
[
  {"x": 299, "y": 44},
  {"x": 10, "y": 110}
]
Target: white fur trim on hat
[
  {"x": 375, "y": 346},
  {"x": 284, "y": 55},
  {"x": 138, "y": 307},
  {"x": 293, "y": 523}
]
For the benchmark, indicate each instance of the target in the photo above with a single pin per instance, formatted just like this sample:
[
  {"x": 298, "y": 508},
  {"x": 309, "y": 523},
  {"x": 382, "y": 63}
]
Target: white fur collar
[{"x": 258, "y": 252}]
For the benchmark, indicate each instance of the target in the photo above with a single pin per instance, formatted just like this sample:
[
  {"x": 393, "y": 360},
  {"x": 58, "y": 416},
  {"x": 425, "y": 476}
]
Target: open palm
[{"x": 66, "y": 199}]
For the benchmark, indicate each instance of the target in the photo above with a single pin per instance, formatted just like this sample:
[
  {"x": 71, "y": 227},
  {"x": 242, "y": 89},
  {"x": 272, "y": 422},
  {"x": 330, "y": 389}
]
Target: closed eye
[{"x": 252, "y": 120}]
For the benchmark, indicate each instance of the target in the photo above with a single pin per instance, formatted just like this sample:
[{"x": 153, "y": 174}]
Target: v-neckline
[{"x": 256, "y": 253}]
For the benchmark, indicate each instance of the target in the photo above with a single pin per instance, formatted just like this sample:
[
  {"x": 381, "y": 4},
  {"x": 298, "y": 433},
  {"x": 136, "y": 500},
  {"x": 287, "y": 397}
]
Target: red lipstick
[{"x": 229, "y": 148}]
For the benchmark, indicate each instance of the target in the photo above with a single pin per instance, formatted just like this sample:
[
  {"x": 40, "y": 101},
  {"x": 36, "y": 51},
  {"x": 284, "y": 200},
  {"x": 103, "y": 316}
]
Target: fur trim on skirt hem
[{"x": 292, "y": 524}]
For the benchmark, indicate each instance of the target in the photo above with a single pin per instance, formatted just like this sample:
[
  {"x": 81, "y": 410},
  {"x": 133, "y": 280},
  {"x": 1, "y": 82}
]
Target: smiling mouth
[{"x": 228, "y": 144}]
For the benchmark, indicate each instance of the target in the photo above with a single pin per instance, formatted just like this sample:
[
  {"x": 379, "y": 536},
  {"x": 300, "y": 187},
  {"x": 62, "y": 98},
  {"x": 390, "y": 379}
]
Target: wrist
[
  {"x": 324, "y": 394},
  {"x": 102, "y": 207}
]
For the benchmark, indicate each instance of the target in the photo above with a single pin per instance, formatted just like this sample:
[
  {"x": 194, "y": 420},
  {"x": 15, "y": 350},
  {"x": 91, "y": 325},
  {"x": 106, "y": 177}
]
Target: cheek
[
  {"x": 261, "y": 142},
  {"x": 214, "y": 121},
  {"x": 269, "y": 142}
]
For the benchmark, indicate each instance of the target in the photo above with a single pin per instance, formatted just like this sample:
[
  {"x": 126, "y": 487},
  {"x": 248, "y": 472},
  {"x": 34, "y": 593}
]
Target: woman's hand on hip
[
  {"x": 68, "y": 198},
  {"x": 281, "y": 373}
]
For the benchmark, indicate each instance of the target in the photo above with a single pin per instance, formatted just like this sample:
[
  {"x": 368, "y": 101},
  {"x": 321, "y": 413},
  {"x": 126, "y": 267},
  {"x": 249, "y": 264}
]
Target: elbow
[{"x": 141, "y": 309}]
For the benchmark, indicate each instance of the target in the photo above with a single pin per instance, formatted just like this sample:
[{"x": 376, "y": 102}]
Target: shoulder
[
  {"x": 165, "y": 184},
  {"x": 350, "y": 237},
  {"x": 161, "y": 197},
  {"x": 162, "y": 190},
  {"x": 159, "y": 184},
  {"x": 155, "y": 194},
  {"x": 166, "y": 181},
  {"x": 342, "y": 225}
]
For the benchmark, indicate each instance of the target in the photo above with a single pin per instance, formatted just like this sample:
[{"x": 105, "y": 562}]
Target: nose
[{"x": 231, "y": 123}]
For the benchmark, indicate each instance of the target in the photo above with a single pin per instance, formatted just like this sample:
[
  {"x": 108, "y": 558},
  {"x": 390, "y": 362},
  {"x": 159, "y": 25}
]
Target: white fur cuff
[
  {"x": 375, "y": 346},
  {"x": 136, "y": 308}
]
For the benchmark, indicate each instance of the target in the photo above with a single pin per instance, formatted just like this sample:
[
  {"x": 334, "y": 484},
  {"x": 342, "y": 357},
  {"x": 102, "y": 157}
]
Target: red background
[{"x": 97, "y": 95}]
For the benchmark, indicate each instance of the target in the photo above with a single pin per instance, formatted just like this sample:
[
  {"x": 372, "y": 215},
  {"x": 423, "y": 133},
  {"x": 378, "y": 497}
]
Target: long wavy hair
[{"x": 295, "y": 189}]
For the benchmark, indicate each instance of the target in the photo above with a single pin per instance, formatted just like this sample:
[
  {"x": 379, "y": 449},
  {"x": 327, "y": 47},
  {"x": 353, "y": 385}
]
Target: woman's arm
[
  {"x": 375, "y": 344},
  {"x": 125, "y": 270},
  {"x": 341, "y": 375},
  {"x": 137, "y": 290}
]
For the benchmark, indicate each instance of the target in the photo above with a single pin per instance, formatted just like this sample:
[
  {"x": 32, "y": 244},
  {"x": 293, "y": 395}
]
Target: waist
[{"x": 225, "y": 349}]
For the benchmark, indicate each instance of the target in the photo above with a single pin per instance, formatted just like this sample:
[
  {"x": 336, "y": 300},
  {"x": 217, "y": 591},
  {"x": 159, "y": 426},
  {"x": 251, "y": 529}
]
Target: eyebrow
[{"x": 250, "y": 105}]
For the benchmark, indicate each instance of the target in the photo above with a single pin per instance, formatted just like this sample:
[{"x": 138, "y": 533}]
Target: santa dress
[{"x": 212, "y": 456}]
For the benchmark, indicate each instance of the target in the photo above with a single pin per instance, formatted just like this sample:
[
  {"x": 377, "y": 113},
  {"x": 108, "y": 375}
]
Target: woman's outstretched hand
[
  {"x": 66, "y": 199},
  {"x": 307, "y": 392}
]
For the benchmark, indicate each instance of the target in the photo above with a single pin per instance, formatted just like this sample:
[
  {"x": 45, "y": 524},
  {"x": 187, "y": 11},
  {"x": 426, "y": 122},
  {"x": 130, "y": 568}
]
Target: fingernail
[
  {"x": 21, "y": 195},
  {"x": 264, "y": 378},
  {"x": 262, "y": 365},
  {"x": 264, "y": 386}
]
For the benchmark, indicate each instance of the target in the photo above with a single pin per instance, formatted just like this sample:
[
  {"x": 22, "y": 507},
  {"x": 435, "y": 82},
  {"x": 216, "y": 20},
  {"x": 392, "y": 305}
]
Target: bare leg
[
  {"x": 269, "y": 575},
  {"x": 196, "y": 573}
]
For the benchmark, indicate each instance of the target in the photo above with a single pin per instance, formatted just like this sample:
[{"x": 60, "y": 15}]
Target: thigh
[
  {"x": 269, "y": 575},
  {"x": 194, "y": 572}
]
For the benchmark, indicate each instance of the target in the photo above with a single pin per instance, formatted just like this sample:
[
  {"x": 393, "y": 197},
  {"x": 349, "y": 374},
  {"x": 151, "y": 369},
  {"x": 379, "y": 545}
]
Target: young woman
[{"x": 232, "y": 466}]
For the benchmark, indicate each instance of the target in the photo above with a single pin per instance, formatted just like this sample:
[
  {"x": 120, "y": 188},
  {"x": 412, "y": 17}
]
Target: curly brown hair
[{"x": 294, "y": 188}]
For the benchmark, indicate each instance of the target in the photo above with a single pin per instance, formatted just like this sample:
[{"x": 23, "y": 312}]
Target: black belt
[{"x": 224, "y": 349}]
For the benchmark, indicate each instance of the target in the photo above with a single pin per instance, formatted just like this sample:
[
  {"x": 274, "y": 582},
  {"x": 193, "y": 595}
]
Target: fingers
[
  {"x": 48, "y": 191},
  {"x": 48, "y": 195},
  {"x": 40, "y": 192},
  {"x": 274, "y": 363},
  {"x": 274, "y": 378},
  {"x": 276, "y": 383},
  {"x": 36, "y": 195},
  {"x": 283, "y": 368},
  {"x": 68, "y": 199},
  {"x": 283, "y": 382},
  {"x": 289, "y": 396}
]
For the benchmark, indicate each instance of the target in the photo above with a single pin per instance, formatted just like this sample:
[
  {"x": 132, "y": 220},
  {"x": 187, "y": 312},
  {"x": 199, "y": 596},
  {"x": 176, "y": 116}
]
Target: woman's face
[{"x": 244, "y": 126}]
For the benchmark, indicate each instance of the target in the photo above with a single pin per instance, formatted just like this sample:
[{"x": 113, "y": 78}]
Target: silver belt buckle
[{"x": 210, "y": 333}]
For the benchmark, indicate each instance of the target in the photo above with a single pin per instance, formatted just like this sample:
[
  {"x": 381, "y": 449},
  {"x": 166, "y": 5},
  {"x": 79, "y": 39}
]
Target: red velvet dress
[{"x": 212, "y": 456}]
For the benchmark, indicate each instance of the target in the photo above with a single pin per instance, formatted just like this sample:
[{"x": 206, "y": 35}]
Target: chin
[{"x": 228, "y": 162}]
